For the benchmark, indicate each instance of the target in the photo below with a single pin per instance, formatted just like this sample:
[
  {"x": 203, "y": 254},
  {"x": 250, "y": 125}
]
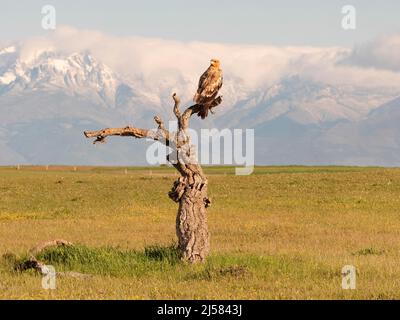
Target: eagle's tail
[{"x": 203, "y": 113}]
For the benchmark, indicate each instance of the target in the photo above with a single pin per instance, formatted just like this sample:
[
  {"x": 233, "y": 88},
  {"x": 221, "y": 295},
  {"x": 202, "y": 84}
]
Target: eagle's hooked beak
[{"x": 214, "y": 62}]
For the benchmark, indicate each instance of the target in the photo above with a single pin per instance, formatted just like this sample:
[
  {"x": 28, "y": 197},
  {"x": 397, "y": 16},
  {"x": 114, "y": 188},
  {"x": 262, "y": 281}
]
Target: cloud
[
  {"x": 151, "y": 54},
  {"x": 162, "y": 66},
  {"x": 381, "y": 53}
]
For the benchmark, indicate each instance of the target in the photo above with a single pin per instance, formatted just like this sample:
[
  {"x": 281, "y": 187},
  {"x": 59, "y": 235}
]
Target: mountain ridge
[{"x": 50, "y": 95}]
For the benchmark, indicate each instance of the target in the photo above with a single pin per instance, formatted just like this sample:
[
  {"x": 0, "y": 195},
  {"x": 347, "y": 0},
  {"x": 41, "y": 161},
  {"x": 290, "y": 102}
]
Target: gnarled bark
[
  {"x": 191, "y": 220},
  {"x": 190, "y": 190}
]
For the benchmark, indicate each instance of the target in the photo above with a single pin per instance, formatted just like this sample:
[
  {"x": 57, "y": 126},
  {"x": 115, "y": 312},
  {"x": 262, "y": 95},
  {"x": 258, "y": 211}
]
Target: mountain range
[{"x": 47, "y": 100}]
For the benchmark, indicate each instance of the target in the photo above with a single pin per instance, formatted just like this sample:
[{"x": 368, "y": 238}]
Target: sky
[{"x": 278, "y": 22}]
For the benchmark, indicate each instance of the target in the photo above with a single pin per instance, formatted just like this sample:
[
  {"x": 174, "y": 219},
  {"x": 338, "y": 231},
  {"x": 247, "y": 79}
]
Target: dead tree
[{"x": 190, "y": 190}]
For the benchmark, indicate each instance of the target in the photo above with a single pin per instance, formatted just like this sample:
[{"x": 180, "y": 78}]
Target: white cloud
[
  {"x": 381, "y": 53},
  {"x": 167, "y": 65}
]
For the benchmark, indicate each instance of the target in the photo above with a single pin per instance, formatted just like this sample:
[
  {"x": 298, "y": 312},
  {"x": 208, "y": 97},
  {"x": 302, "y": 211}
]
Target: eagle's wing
[{"x": 203, "y": 80}]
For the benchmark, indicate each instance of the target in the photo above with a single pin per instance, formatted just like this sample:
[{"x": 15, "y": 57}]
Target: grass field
[{"x": 281, "y": 233}]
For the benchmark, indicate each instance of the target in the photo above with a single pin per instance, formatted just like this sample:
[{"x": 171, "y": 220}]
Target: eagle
[{"x": 209, "y": 84}]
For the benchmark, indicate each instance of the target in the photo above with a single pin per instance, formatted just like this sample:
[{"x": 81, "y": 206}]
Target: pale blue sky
[{"x": 278, "y": 22}]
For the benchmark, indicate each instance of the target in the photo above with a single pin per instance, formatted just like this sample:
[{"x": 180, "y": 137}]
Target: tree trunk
[{"x": 191, "y": 220}]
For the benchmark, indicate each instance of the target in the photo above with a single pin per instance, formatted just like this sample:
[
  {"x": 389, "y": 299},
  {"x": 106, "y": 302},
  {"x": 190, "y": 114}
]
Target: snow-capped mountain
[
  {"x": 307, "y": 102},
  {"x": 74, "y": 74},
  {"x": 48, "y": 98}
]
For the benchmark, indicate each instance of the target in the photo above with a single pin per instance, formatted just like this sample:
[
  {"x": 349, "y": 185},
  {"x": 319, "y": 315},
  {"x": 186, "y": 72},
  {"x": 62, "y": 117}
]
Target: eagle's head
[{"x": 215, "y": 63}]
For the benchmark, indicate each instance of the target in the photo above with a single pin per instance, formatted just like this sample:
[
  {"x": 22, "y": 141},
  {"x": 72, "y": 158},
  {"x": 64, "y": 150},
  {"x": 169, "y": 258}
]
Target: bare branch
[
  {"x": 161, "y": 134},
  {"x": 176, "y": 106},
  {"x": 126, "y": 132},
  {"x": 159, "y": 121},
  {"x": 195, "y": 109}
]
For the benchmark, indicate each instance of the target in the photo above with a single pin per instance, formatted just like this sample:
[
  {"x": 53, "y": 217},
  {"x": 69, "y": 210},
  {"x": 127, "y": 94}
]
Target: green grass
[
  {"x": 164, "y": 264},
  {"x": 111, "y": 261},
  {"x": 280, "y": 233}
]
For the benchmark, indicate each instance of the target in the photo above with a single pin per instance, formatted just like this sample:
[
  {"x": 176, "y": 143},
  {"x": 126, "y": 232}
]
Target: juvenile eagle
[{"x": 209, "y": 84}]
